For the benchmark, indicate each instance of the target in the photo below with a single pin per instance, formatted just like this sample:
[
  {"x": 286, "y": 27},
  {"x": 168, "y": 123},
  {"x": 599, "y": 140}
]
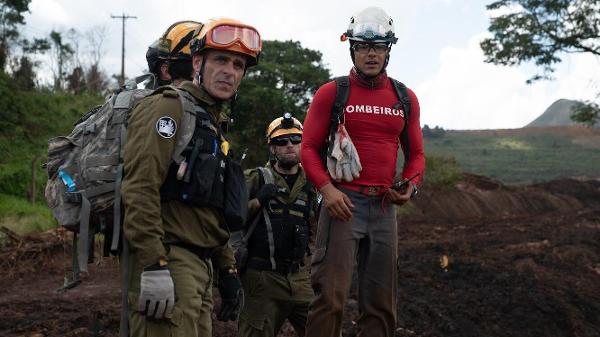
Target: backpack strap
[
  {"x": 268, "y": 178},
  {"x": 310, "y": 193},
  {"x": 404, "y": 104},
  {"x": 342, "y": 86}
]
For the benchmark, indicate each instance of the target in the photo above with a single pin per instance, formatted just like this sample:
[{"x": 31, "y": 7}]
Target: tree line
[
  {"x": 285, "y": 80},
  {"x": 543, "y": 32}
]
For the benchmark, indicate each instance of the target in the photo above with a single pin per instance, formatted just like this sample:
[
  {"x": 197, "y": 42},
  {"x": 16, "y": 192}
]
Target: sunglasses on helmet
[
  {"x": 227, "y": 35},
  {"x": 283, "y": 141}
]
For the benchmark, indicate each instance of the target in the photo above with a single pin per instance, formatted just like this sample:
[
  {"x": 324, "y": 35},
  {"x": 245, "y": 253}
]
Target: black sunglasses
[{"x": 283, "y": 141}]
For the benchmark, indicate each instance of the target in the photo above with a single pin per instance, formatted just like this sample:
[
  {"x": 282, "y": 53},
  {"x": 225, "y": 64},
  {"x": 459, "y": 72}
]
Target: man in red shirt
[{"x": 358, "y": 222}]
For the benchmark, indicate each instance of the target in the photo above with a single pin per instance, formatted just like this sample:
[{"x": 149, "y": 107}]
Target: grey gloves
[
  {"x": 157, "y": 292},
  {"x": 343, "y": 163}
]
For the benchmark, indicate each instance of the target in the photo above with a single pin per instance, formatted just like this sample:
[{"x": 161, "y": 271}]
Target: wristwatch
[{"x": 415, "y": 190}]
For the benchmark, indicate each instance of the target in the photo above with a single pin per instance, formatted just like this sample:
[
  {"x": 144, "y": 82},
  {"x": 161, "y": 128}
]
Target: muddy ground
[{"x": 485, "y": 260}]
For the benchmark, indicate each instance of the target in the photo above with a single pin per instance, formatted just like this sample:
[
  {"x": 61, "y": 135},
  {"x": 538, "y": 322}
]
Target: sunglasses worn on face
[
  {"x": 364, "y": 48},
  {"x": 283, "y": 141}
]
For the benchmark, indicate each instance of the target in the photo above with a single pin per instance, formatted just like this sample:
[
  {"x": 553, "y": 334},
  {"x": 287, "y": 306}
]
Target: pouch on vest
[{"x": 235, "y": 208}]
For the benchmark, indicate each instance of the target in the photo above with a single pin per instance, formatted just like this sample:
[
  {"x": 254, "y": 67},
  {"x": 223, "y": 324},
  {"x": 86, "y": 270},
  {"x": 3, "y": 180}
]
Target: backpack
[
  {"x": 342, "y": 84},
  {"x": 84, "y": 176}
]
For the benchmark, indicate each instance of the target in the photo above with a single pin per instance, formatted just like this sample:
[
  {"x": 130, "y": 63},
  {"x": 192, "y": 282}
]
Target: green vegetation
[
  {"x": 542, "y": 32},
  {"x": 443, "y": 171},
  {"x": 29, "y": 119},
  {"x": 285, "y": 80},
  {"x": 521, "y": 157},
  {"x": 22, "y": 217}
]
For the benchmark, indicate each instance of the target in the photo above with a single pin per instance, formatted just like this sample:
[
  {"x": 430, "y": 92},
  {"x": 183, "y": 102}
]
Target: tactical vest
[
  {"x": 200, "y": 171},
  {"x": 283, "y": 233}
]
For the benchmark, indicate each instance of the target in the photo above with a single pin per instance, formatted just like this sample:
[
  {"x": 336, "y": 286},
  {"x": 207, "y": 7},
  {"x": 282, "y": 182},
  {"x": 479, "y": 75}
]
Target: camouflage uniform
[
  {"x": 184, "y": 235},
  {"x": 271, "y": 297}
]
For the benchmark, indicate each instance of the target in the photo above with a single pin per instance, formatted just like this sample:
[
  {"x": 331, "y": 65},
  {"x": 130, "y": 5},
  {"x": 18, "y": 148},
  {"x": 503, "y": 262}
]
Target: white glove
[
  {"x": 348, "y": 165},
  {"x": 335, "y": 157},
  {"x": 157, "y": 293},
  {"x": 331, "y": 164}
]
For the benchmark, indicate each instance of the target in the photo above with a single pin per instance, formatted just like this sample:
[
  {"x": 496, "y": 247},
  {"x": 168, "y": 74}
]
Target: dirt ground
[{"x": 482, "y": 264}]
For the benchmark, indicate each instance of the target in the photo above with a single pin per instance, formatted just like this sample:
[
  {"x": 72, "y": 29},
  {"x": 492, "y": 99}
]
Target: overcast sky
[{"x": 437, "y": 54}]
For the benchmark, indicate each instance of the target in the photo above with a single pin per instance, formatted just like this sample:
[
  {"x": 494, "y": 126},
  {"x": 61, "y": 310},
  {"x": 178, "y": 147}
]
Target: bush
[
  {"x": 442, "y": 172},
  {"x": 28, "y": 120},
  {"x": 22, "y": 217}
]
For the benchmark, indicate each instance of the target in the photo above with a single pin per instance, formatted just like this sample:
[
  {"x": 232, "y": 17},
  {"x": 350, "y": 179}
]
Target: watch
[{"x": 415, "y": 190}]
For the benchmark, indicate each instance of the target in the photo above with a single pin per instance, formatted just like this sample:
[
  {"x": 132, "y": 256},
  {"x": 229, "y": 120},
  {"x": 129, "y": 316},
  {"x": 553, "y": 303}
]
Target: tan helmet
[
  {"x": 286, "y": 125},
  {"x": 231, "y": 35},
  {"x": 174, "y": 44}
]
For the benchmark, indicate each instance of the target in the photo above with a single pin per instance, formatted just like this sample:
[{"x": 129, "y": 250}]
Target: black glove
[
  {"x": 266, "y": 193},
  {"x": 231, "y": 292}
]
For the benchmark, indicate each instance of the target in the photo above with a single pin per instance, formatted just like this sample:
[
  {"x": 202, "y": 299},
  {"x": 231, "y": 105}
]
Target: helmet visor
[
  {"x": 369, "y": 30},
  {"x": 226, "y": 35}
]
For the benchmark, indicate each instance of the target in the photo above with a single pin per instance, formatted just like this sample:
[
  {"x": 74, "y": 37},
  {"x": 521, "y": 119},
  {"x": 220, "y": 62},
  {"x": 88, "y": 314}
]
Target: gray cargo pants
[{"x": 369, "y": 238}]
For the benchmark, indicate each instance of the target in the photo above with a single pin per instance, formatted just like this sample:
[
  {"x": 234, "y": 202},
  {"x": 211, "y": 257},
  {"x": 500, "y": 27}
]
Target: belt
[
  {"x": 201, "y": 252},
  {"x": 282, "y": 268},
  {"x": 371, "y": 191}
]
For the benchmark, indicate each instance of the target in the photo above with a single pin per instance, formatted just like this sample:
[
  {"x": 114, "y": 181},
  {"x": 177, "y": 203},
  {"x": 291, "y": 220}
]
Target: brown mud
[{"x": 482, "y": 260}]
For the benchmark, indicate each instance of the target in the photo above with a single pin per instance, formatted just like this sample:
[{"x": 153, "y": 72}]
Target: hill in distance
[
  {"x": 523, "y": 156},
  {"x": 557, "y": 114}
]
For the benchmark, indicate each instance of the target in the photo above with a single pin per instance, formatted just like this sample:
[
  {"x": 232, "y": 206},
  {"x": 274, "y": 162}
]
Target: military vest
[
  {"x": 201, "y": 173},
  {"x": 283, "y": 233}
]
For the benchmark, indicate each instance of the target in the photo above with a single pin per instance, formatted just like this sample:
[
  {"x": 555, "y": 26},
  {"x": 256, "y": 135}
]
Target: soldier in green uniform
[
  {"x": 169, "y": 58},
  {"x": 176, "y": 174},
  {"x": 281, "y": 210}
]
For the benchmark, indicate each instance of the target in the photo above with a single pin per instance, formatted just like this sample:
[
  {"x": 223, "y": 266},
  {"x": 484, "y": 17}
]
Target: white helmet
[{"x": 372, "y": 24}]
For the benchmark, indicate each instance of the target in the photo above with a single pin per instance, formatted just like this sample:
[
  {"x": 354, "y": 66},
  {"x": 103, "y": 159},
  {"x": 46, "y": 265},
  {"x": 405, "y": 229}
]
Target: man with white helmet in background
[
  {"x": 282, "y": 210},
  {"x": 182, "y": 189},
  {"x": 361, "y": 120},
  {"x": 169, "y": 58}
]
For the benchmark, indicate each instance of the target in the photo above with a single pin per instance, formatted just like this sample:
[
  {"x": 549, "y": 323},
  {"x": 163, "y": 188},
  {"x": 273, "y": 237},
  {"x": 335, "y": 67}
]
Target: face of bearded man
[{"x": 287, "y": 155}]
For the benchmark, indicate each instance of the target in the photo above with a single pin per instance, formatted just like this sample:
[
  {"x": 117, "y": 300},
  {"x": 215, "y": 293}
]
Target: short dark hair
[{"x": 180, "y": 69}]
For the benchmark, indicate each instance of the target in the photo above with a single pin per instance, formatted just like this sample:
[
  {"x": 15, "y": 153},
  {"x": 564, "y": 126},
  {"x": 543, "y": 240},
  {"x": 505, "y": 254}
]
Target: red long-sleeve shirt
[{"x": 374, "y": 127}]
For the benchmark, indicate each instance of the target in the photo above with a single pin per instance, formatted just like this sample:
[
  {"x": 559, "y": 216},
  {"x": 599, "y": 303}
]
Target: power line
[{"x": 123, "y": 18}]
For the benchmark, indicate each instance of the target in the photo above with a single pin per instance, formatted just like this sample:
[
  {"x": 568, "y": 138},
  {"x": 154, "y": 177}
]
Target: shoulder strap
[
  {"x": 268, "y": 178},
  {"x": 267, "y": 175},
  {"x": 310, "y": 193},
  {"x": 404, "y": 103},
  {"x": 342, "y": 91},
  {"x": 342, "y": 86},
  {"x": 403, "y": 98}
]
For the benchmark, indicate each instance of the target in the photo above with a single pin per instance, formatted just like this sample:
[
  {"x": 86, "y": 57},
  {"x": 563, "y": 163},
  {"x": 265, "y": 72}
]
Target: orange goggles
[{"x": 227, "y": 35}]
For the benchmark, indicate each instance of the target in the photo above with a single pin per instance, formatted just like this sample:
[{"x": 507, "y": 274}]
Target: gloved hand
[
  {"x": 266, "y": 193},
  {"x": 232, "y": 295},
  {"x": 344, "y": 162},
  {"x": 157, "y": 293}
]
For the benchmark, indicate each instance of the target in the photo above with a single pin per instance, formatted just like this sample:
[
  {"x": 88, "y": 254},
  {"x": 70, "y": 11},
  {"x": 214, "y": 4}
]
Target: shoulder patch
[{"x": 166, "y": 127}]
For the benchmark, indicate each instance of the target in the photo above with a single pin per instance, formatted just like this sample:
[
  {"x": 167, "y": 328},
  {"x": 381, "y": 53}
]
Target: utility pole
[{"x": 123, "y": 17}]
